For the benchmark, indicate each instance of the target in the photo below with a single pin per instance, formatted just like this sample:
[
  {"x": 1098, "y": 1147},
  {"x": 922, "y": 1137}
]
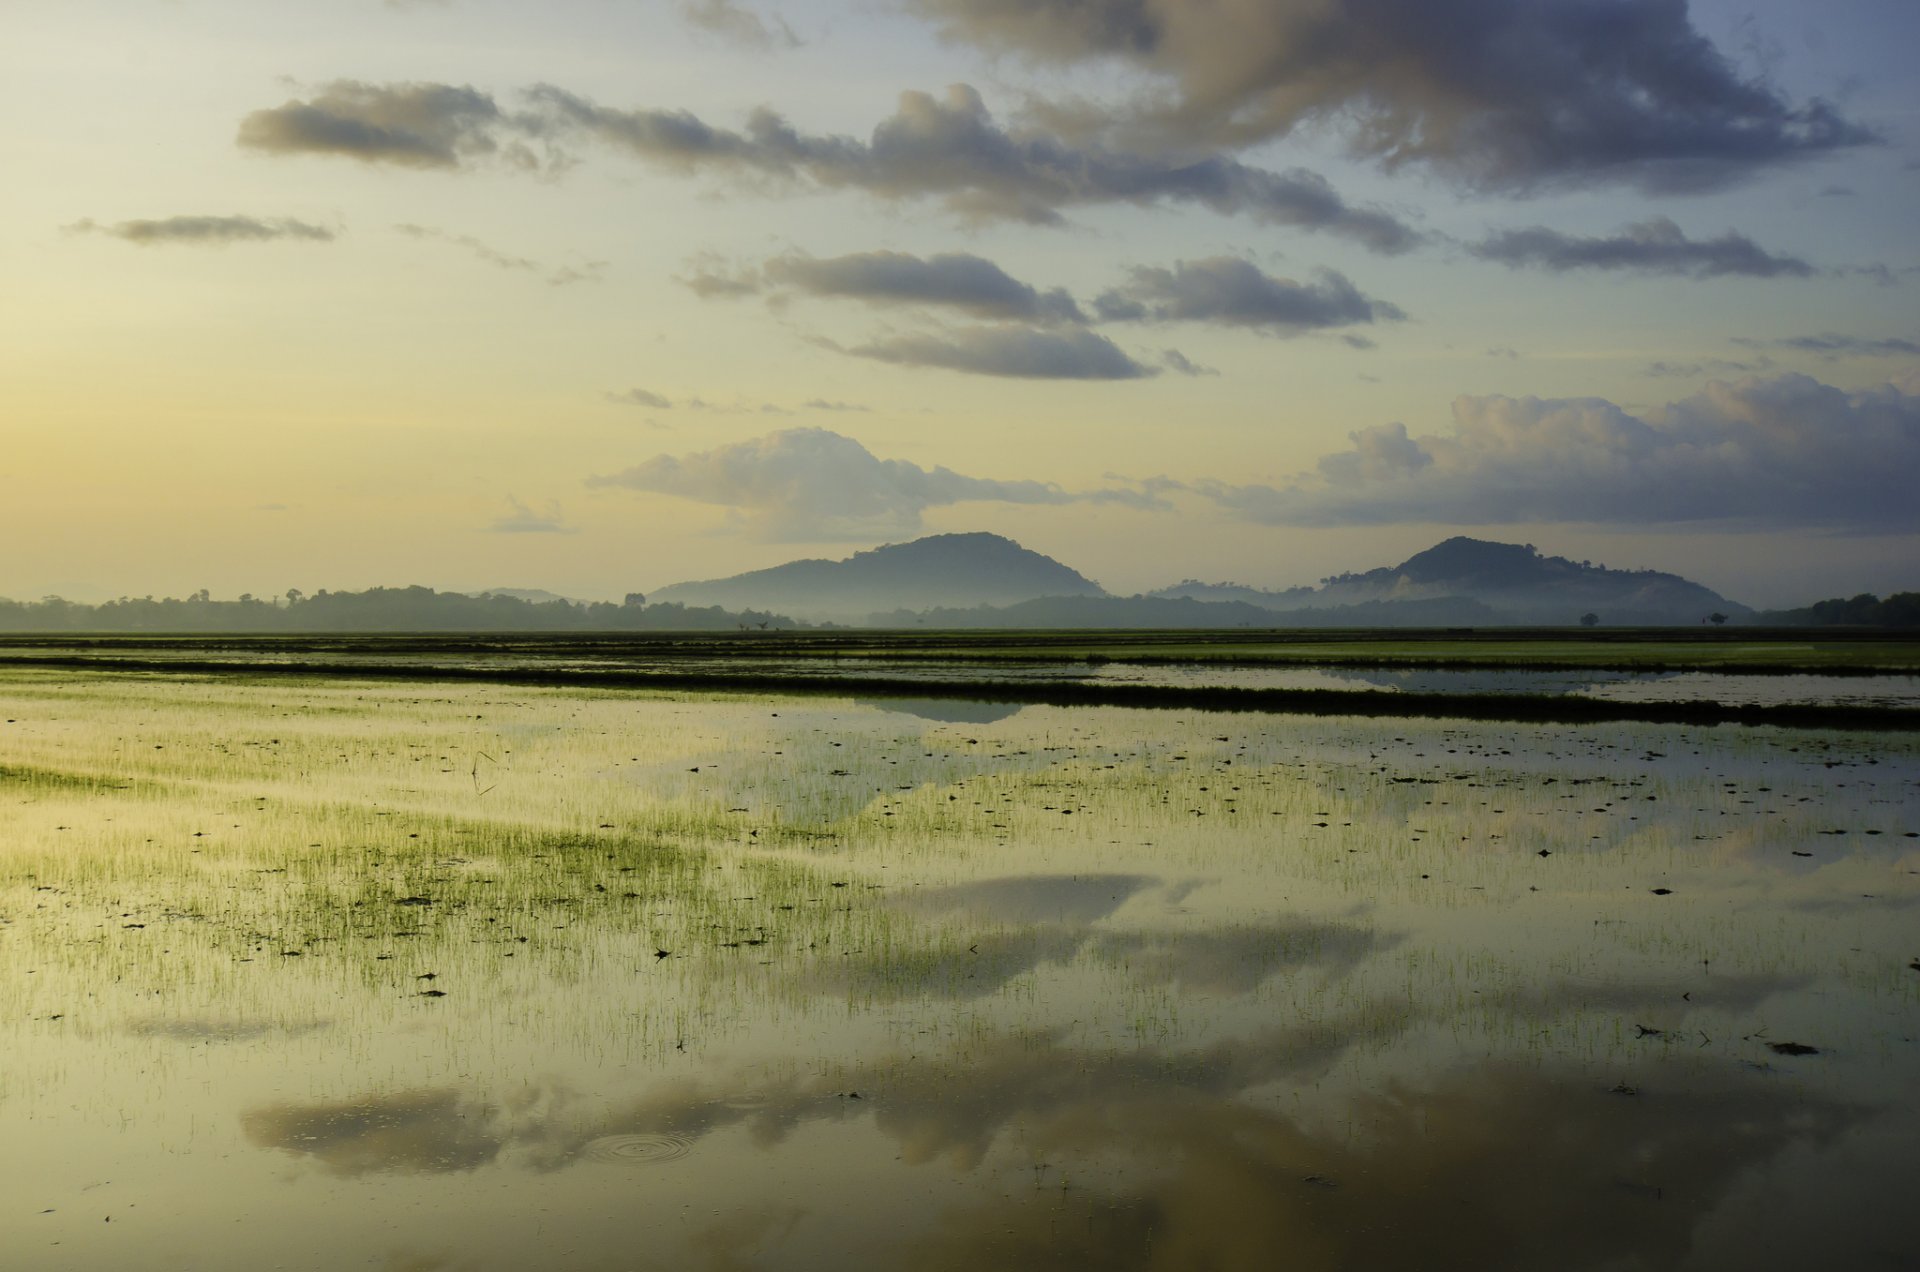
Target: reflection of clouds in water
[
  {"x": 1666, "y": 1003},
  {"x": 1180, "y": 1158},
  {"x": 414, "y": 1131},
  {"x": 1083, "y": 898},
  {"x": 1493, "y": 1169},
  {"x": 1028, "y": 921},
  {"x": 946, "y": 710},
  {"x": 1413, "y": 680},
  {"x": 1236, "y": 959}
]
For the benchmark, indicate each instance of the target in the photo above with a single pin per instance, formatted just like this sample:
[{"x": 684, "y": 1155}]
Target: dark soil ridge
[{"x": 1531, "y": 708}]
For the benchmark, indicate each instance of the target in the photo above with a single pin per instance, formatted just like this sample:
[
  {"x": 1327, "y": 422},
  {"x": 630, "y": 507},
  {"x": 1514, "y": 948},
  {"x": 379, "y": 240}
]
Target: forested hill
[
  {"x": 942, "y": 570},
  {"x": 1902, "y": 609}
]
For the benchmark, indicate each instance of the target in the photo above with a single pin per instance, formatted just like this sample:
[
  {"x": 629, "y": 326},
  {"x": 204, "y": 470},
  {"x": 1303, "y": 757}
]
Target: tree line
[{"x": 379, "y": 609}]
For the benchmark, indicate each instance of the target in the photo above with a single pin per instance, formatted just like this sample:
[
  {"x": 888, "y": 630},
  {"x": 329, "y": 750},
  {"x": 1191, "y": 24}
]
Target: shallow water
[
  {"x": 945, "y": 672},
  {"x": 316, "y": 975}
]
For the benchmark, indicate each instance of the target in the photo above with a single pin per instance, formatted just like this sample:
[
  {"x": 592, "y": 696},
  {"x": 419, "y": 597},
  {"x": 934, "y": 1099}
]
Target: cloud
[
  {"x": 812, "y": 485},
  {"x": 1229, "y": 291},
  {"x": 1706, "y": 366},
  {"x": 589, "y": 272},
  {"x": 1018, "y": 352},
  {"x": 958, "y": 280},
  {"x": 210, "y": 231},
  {"x": 413, "y": 125},
  {"x": 1491, "y": 93},
  {"x": 1832, "y": 344},
  {"x": 951, "y": 149},
  {"x": 716, "y": 283},
  {"x": 739, "y": 24},
  {"x": 1760, "y": 454},
  {"x": 641, "y": 397},
  {"x": 660, "y": 402},
  {"x": 1178, "y": 361},
  {"x": 1653, "y": 246},
  {"x": 521, "y": 519}
]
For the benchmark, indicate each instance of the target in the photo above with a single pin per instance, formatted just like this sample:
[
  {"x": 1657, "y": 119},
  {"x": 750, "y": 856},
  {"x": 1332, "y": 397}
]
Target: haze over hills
[
  {"x": 1514, "y": 580},
  {"x": 987, "y": 580},
  {"x": 954, "y": 570}
]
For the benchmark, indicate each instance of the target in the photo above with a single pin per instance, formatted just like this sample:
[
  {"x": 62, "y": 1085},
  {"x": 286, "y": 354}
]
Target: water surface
[{"x": 416, "y": 975}]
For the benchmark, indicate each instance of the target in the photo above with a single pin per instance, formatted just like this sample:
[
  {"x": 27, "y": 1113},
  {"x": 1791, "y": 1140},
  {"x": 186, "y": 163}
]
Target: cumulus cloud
[
  {"x": 739, "y": 24},
  {"x": 209, "y": 231},
  {"x": 1493, "y": 93},
  {"x": 1229, "y": 291},
  {"x": 1018, "y": 352},
  {"x": 813, "y": 485},
  {"x": 957, "y": 280},
  {"x": 414, "y": 125},
  {"x": 1654, "y": 246},
  {"x": 1774, "y": 453},
  {"x": 520, "y": 519}
]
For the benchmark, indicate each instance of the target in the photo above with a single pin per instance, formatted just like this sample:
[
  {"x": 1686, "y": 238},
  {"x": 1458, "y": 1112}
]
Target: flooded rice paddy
[{"x": 411, "y": 975}]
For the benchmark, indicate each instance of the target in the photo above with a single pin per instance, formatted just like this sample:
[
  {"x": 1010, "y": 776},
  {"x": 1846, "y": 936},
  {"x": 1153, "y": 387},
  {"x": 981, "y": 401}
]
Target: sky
[{"x": 600, "y": 295}]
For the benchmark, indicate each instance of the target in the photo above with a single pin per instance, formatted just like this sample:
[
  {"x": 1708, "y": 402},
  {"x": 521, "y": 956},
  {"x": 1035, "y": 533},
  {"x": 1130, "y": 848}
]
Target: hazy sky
[{"x": 598, "y": 295}]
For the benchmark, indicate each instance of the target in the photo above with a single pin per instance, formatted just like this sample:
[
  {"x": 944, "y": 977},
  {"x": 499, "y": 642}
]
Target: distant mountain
[
  {"x": 531, "y": 595},
  {"x": 1110, "y": 612},
  {"x": 1527, "y": 587},
  {"x": 1509, "y": 582},
  {"x": 942, "y": 570}
]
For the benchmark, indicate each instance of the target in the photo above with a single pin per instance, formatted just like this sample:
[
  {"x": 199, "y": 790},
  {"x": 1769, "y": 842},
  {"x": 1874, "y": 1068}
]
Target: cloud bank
[
  {"x": 948, "y": 149},
  {"x": 1504, "y": 94},
  {"x": 1222, "y": 291},
  {"x": 1785, "y": 452},
  {"x": 814, "y": 485}
]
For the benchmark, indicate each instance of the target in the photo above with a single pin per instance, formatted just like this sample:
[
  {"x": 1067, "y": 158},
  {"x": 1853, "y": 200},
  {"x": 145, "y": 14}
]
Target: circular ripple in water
[{"x": 638, "y": 1148}]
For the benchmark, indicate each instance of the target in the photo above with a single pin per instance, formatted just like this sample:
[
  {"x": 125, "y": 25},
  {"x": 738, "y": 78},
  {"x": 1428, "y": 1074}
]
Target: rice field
[{"x": 409, "y": 974}]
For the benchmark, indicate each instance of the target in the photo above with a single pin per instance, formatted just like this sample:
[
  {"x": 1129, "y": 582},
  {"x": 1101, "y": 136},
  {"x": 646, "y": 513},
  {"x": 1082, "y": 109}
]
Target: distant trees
[
  {"x": 1902, "y": 609},
  {"x": 1589, "y": 619},
  {"x": 380, "y": 609},
  {"x": 1717, "y": 618}
]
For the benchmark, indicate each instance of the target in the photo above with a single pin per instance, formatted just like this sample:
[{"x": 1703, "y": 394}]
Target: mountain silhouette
[
  {"x": 1520, "y": 582},
  {"x": 940, "y": 571}
]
